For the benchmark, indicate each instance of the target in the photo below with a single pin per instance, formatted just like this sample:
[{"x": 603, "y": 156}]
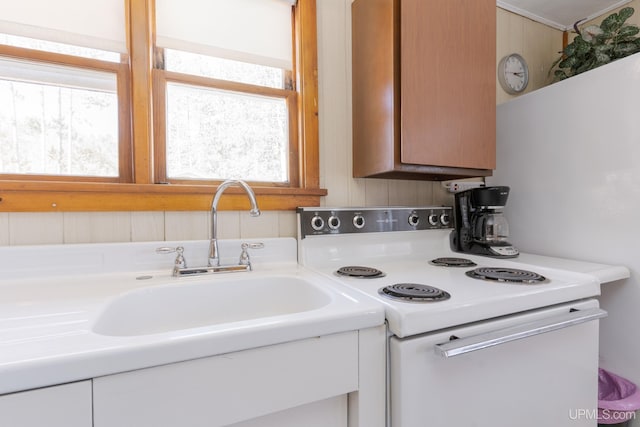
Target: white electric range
[{"x": 461, "y": 345}]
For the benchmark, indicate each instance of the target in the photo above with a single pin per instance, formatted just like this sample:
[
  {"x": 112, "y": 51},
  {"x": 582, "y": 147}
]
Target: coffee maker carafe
[{"x": 480, "y": 226}]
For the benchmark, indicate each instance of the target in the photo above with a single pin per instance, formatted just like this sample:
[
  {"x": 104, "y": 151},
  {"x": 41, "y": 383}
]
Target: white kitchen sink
[
  {"x": 73, "y": 312},
  {"x": 186, "y": 305}
]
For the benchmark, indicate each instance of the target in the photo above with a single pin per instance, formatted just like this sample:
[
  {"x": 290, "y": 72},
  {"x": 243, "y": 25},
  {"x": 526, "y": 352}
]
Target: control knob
[
  {"x": 445, "y": 219},
  {"x": 333, "y": 222},
  {"x": 317, "y": 223},
  {"x": 433, "y": 219},
  {"x": 358, "y": 221},
  {"x": 414, "y": 219}
]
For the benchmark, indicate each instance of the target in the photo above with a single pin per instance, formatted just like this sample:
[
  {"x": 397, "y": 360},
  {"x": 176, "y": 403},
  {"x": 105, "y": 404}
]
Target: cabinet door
[
  {"x": 448, "y": 64},
  {"x": 67, "y": 405},
  {"x": 232, "y": 388},
  {"x": 325, "y": 413}
]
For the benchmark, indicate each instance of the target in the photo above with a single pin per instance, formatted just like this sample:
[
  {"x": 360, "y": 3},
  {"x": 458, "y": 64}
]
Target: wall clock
[{"x": 513, "y": 73}]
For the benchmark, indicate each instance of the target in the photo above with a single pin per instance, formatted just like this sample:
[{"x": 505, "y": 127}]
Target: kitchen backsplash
[{"x": 102, "y": 227}]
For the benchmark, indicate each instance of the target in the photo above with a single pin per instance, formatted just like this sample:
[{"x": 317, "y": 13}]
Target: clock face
[{"x": 513, "y": 73}]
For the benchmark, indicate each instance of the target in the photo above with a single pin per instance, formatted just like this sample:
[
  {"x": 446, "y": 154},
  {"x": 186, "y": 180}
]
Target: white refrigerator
[{"x": 571, "y": 154}]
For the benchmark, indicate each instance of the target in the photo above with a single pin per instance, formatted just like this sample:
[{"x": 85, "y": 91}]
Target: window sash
[
  {"x": 45, "y": 65},
  {"x": 221, "y": 68},
  {"x": 256, "y": 151},
  {"x": 59, "y": 75},
  {"x": 161, "y": 78}
]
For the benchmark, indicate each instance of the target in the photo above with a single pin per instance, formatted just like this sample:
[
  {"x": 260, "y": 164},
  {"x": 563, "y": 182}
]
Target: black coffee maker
[{"x": 480, "y": 226}]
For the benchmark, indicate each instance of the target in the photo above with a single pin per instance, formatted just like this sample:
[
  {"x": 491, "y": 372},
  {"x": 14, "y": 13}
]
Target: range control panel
[{"x": 320, "y": 221}]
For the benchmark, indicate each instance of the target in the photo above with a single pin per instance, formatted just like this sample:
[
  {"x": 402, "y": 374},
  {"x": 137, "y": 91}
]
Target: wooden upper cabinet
[{"x": 424, "y": 88}]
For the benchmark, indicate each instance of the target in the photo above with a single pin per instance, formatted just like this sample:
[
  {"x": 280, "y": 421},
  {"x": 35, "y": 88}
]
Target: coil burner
[
  {"x": 360, "y": 272},
  {"x": 412, "y": 292},
  {"x": 510, "y": 275},
  {"x": 453, "y": 262}
]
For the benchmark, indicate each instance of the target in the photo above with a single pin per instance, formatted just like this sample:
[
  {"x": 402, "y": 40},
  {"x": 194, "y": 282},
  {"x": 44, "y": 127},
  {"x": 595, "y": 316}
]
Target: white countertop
[
  {"x": 604, "y": 273},
  {"x": 405, "y": 257},
  {"x": 50, "y": 297}
]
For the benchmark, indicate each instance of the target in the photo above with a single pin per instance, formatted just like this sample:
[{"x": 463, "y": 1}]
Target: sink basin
[{"x": 183, "y": 305}]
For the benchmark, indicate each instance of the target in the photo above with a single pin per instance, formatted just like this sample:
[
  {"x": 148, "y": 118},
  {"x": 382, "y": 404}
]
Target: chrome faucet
[
  {"x": 214, "y": 253},
  {"x": 180, "y": 268}
]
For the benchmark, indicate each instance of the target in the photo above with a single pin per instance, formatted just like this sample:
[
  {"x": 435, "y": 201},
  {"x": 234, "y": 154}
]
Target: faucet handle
[
  {"x": 180, "y": 261},
  {"x": 244, "y": 256},
  {"x": 256, "y": 245}
]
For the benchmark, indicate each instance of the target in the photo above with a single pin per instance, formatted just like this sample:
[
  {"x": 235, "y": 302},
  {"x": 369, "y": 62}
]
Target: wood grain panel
[
  {"x": 140, "y": 35},
  {"x": 423, "y": 89},
  {"x": 46, "y": 201},
  {"x": 307, "y": 83},
  {"x": 448, "y": 83},
  {"x": 375, "y": 82},
  {"x": 73, "y": 197}
]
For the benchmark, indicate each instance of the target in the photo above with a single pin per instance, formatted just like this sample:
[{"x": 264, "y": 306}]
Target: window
[
  {"x": 57, "y": 120},
  {"x": 220, "y": 64},
  {"x": 203, "y": 141},
  {"x": 98, "y": 118},
  {"x": 59, "y": 86}
]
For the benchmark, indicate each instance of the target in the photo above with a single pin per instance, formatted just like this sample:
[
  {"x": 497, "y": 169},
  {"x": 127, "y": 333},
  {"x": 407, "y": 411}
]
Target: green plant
[{"x": 597, "y": 45}]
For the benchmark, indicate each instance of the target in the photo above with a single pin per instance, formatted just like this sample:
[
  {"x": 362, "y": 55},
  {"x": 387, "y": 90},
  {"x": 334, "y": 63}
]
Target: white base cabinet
[
  {"x": 67, "y": 405},
  {"x": 330, "y": 381},
  {"x": 326, "y": 413},
  {"x": 234, "y": 388}
]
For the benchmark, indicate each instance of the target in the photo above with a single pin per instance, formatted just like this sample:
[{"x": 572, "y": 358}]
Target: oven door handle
[{"x": 459, "y": 346}]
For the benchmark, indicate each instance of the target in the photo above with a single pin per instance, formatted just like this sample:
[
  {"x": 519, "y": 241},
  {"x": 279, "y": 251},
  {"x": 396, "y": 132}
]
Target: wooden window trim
[
  {"x": 143, "y": 194},
  {"x": 39, "y": 196}
]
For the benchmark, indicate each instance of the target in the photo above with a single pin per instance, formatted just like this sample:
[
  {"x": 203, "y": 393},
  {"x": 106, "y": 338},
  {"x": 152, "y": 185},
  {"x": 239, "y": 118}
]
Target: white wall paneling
[
  {"x": 228, "y": 224},
  {"x": 36, "y": 228},
  {"x": 4, "y": 229},
  {"x": 265, "y": 225},
  {"x": 287, "y": 224},
  {"x": 147, "y": 226},
  {"x": 186, "y": 225},
  {"x": 376, "y": 192},
  {"x": 334, "y": 113},
  {"x": 96, "y": 227}
]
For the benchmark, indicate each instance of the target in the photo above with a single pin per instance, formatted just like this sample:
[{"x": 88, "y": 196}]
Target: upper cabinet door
[
  {"x": 424, "y": 88},
  {"x": 447, "y": 78}
]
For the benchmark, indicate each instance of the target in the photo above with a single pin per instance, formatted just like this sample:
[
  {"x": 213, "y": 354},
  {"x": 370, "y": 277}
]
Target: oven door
[{"x": 527, "y": 370}]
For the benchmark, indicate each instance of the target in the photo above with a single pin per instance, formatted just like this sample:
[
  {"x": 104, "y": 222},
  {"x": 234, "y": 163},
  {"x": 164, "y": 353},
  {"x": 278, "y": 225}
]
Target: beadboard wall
[
  {"x": 515, "y": 34},
  {"x": 537, "y": 43}
]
